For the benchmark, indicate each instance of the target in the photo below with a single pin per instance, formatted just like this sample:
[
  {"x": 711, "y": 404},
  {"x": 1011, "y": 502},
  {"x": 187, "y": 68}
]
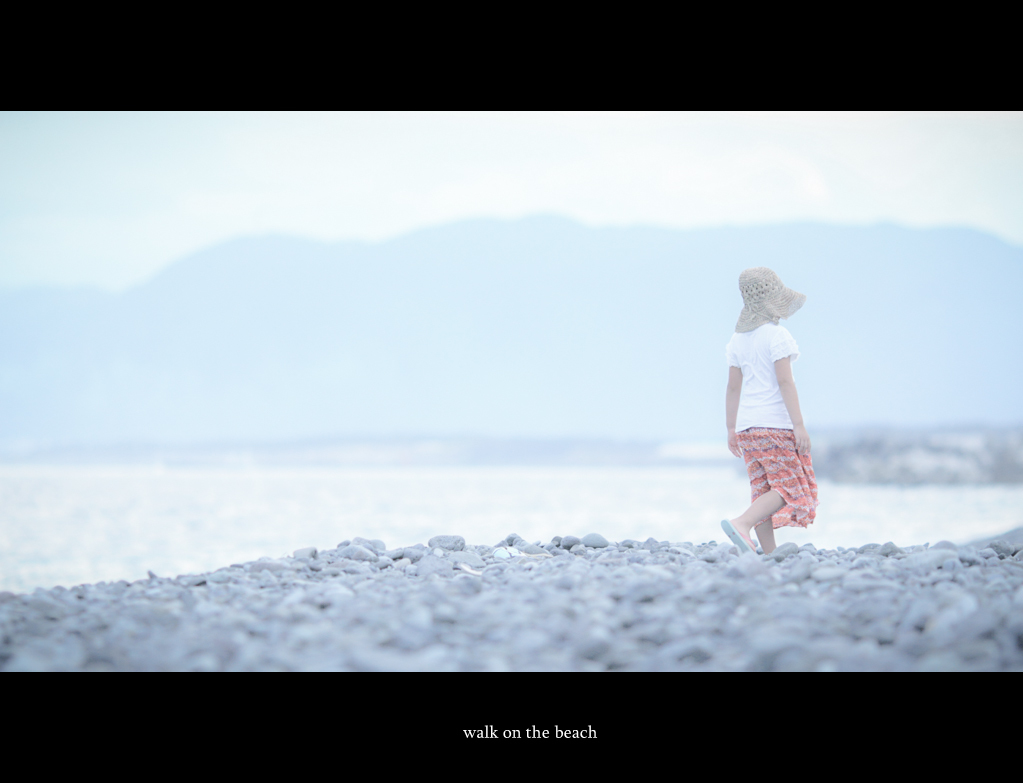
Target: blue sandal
[{"x": 744, "y": 544}]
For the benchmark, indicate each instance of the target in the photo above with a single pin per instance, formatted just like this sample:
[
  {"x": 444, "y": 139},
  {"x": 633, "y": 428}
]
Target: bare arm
[
  {"x": 732, "y": 407},
  {"x": 783, "y": 369}
]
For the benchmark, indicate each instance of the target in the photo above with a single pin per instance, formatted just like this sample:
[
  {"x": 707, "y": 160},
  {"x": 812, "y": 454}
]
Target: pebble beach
[{"x": 571, "y": 604}]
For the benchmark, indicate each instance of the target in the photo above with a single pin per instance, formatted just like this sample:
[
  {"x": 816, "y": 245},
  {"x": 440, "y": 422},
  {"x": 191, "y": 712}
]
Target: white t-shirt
[{"x": 761, "y": 403}]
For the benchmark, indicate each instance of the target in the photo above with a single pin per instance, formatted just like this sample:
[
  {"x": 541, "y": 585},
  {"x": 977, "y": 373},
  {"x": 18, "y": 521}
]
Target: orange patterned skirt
[{"x": 773, "y": 463}]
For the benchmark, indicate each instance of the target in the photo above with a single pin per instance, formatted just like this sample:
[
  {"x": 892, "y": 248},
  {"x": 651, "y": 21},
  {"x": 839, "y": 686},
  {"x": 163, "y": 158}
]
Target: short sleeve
[
  {"x": 783, "y": 344},
  {"x": 730, "y": 357}
]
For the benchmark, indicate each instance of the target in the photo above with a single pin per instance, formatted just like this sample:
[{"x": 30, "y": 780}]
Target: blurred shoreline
[
  {"x": 877, "y": 456},
  {"x": 382, "y": 452},
  {"x": 952, "y": 456}
]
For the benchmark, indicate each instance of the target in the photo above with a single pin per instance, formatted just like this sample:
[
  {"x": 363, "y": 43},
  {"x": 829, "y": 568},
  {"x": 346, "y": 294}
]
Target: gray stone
[
  {"x": 469, "y": 558},
  {"x": 866, "y": 561},
  {"x": 719, "y": 552},
  {"x": 449, "y": 543},
  {"x": 785, "y": 550},
  {"x": 47, "y": 607},
  {"x": 593, "y": 647},
  {"x": 798, "y": 570},
  {"x": 355, "y": 568},
  {"x": 568, "y": 542},
  {"x": 191, "y": 580},
  {"x": 395, "y": 554},
  {"x": 969, "y": 556},
  {"x": 888, "y": 549},
  {"x": 374, "y": 545},
  {"x": 468, "y": 584},
  {"x": 977, "y": 624},
  {"x": 309, "y": 551},
  {"x": 926, "y": 560},
  {"x": 940, "y": 661},
  {"x": 578, "y": 549},
  {"x": 62, "y": 654},
  {"x": 510, "y": 539},
  {"x": 433, "y": 565},
  {"x": 946, "y": 545},
  {"x": 532, "y": 549},
  {"x": 414, "y": 553},
  {"x": 868, "y": 548},
  {"x": 266, "y": 565},
  {"x": 357, "y": 552},
  {"x": 594, "y": 540},
  {"x": 827, "y": 573},
  {"x": 987, "y": 552},
  {"x": 1001, "y": 548},
  {"x": 556, "y": 540},
  {"x": 951, "y": 564}
]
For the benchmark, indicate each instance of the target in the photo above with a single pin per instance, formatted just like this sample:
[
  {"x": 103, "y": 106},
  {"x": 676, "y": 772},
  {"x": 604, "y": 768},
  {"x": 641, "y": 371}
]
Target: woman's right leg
[{"x": 764, "y": 506}]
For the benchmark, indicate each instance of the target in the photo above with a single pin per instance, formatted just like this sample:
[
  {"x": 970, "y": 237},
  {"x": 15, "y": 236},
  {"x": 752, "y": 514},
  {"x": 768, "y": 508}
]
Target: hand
[
  {"x": 802, "y": 439},
  {"x": 733, "y": 443}
]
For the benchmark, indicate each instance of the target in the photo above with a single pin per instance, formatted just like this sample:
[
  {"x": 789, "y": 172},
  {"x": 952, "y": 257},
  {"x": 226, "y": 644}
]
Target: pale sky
[{"x": 109, "y": 199}]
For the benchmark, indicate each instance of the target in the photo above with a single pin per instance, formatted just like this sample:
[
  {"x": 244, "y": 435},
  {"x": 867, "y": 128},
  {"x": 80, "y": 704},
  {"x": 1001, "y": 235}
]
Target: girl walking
[{"x": 765, "y": 425}]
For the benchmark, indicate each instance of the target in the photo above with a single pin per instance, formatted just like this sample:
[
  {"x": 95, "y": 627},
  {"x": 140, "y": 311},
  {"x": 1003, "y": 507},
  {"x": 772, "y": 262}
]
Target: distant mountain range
[{"x": 536, "y": 328}]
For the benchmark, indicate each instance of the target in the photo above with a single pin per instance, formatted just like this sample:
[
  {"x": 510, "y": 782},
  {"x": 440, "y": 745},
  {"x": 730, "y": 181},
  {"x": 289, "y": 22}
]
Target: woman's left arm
[{"x": 787, "y": 385}]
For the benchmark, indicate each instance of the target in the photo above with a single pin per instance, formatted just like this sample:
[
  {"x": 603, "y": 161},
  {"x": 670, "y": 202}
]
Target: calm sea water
[{"x": 73, "y": 525}]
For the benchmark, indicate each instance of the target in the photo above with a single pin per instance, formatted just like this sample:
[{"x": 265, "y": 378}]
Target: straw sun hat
[{"x": 765, "y": 298}]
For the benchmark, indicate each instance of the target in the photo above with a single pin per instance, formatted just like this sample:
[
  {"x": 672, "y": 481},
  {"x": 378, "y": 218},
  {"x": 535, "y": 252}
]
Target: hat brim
[
  {"x": 783, "y": 305},
  {"x": 795, "y": 301}
]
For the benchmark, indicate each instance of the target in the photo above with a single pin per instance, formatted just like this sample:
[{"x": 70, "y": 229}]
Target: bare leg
[
  {"x": 764, "y": 506},
  {"x": 765, "y": 532}
]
